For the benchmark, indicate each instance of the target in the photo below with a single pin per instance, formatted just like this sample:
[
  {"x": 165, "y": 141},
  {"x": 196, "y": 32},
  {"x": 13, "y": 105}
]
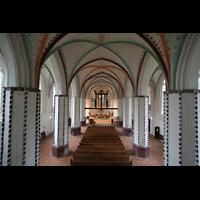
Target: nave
[
  {"x": 155, "y": 158},
  {"x": 55, "y": 82}
]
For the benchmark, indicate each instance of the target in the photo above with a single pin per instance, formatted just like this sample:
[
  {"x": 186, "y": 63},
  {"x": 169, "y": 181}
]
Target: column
[
  {"x": 141, "y": 136},
  {"x": 82, "y": 112},
  {"x": 127, "y": 116},
  {"x": 181, "y": 121},
  {"x": 60, "y": 147},
  {"x": 120, "y": 112},
  {"x": 75, "y": 123},
  {"x": 20, "y": 144}
]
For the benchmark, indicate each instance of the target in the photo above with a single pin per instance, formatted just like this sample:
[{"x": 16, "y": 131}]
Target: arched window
[
  {"x": 41, "y": 93},
  {"x": 1, "y": 93},
  {"x": 149, "y": 92},
  {"x": 109, "y": 98},
  {"x": 163, "y": 89},
  {"x": 54, "y": 92},
  {"x": 3, "y": 83},
  {"x": 93, "y": 99}
]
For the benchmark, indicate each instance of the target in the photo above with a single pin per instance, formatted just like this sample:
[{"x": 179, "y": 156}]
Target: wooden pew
[{"x": 100, "y": 146}]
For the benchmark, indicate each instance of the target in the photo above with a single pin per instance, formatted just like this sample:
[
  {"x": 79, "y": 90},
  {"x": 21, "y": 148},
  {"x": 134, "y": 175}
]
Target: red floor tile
[{"x": 46, "y": 158}]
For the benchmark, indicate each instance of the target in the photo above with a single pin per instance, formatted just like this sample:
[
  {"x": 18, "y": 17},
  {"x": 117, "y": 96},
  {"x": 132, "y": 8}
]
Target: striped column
[
  {"x": 60, "y": 146},
  {"x": 166, "y": 129},
  {"x": 141, "y": 135},
  {"x": 20, "y": 122},
  {"x": 82, "y": 111},
  {"x": 75, "y": 122},
  {"x": 127, "y": 129},
  {"x": 181, "y": 147},
  {"x": 197, "y": 125}
]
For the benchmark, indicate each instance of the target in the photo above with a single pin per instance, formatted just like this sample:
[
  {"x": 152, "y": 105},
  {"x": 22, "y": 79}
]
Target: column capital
[
  {"x": 21, "y": 105},
  {"x": 21, "y": 89},
  {"x": 57, "y": 95},
  {"x": 182, "y": 91},
  {"x": 141, "y": 96}
]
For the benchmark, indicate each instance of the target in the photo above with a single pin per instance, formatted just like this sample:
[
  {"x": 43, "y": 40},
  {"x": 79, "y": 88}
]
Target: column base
[
  {"x": 83, "y": 123},
  {"x": 60, "y": 151},
  {"x": 119, "y": 123},
  {"x": 127, "y": 131},
  {"x": 75, "y": 131},
  {"x": 141, "y": 151}
]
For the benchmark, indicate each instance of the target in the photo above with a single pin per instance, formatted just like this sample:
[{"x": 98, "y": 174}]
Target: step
[
  {"x": 100, "y": 163},
  {"x": 101, "y": 148},
  {"x": 101, "y": 158}
]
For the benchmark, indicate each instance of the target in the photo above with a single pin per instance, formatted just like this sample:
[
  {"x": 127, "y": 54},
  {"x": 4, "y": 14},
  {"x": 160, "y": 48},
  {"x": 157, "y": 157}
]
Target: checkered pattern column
[
  {"x": 37, "y": 125},
  {"x": 60, "y": 138},
  {"x": 141, "y": 126},
  {"x": 197, "y": 125},
  {"x": 2, "y": 128},
  {"x": 20, "y": 132},
  {"x": 181, "y": 134},
  {"x": 141, "y": 113},
  {"x": 165, "y": 129}
]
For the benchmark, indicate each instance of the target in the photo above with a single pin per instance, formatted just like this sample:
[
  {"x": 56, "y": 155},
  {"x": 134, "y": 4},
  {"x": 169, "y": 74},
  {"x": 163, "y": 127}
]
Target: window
[
  {"x": 41, "y": 93},
  {"x": 109, "y": 98},
  {"x": 1, "y": 95},
  {"x": 163, "y": 89},
  {"x": 54, "y": 92},
  {"x": 149, "y": 96},
  {"x": 93, "y": 99},
  {"x": 3, "y": 81}
]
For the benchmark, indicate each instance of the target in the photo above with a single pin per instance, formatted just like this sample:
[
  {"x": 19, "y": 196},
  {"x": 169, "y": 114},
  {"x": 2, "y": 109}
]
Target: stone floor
[{"x": 155, "y": 158}]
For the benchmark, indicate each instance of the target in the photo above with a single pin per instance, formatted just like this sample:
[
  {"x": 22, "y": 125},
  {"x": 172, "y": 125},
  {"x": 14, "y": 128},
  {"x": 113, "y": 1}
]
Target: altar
[{"x": 101, "y": 113}]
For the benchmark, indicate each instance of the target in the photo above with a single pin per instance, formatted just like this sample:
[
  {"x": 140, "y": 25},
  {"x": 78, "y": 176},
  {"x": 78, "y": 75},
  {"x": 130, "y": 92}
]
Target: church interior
[{"x": 99, "y": 99}]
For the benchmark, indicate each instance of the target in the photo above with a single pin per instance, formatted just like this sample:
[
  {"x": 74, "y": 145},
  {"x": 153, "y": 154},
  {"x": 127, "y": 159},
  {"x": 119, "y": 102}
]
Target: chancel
[
  {"x": 103, "y": 98},
  {"x": 54, "y": 85}
]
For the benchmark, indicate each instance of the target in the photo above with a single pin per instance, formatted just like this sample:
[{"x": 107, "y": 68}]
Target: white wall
[{"x": 46, "y": 123}]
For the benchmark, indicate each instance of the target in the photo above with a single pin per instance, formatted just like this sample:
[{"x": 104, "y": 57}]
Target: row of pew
[{"x": 100, "y": 146}]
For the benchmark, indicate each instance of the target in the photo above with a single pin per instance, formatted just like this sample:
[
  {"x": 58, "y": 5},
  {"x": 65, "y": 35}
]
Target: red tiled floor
[
  {"x": 155, "y": 158},
  {"x": 156, "y": 151}
]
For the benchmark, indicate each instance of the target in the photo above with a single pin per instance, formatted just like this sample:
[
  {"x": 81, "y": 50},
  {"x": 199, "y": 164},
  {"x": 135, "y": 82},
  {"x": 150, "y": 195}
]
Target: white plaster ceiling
[{"x": 117, "y": 52}]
